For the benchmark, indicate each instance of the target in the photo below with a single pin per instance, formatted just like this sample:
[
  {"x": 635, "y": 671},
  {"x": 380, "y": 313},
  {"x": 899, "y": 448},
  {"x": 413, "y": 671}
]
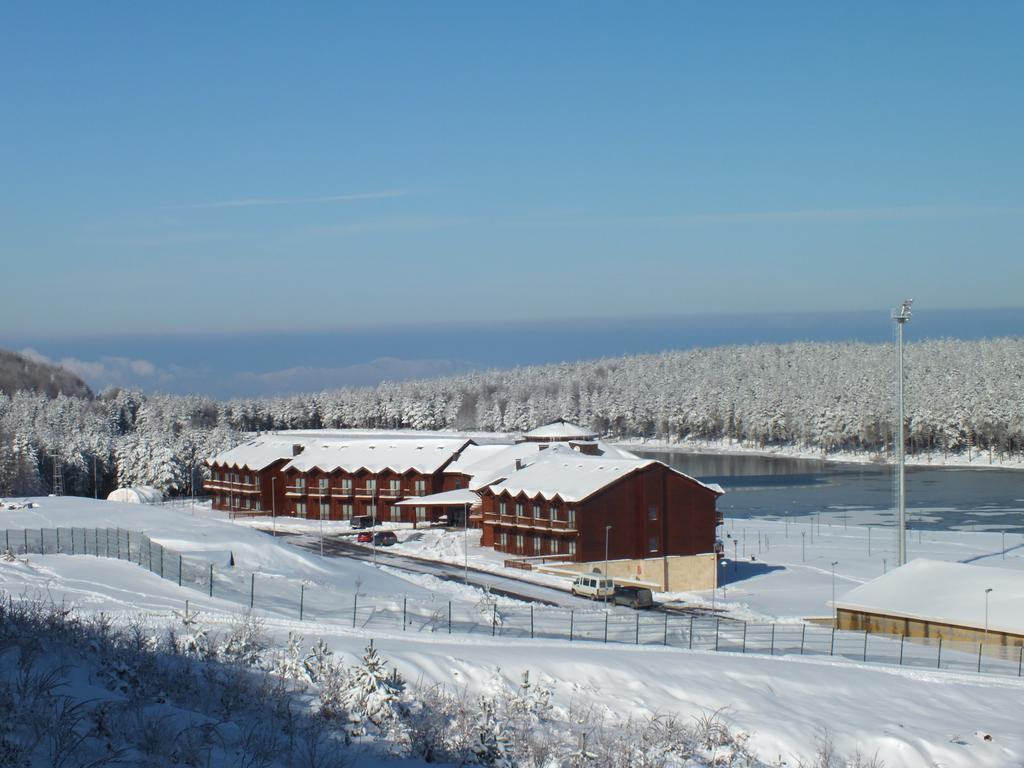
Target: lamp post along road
[
  {"x": 607, "y": 529},
  {"x": 987, "y": 591},
  {"x": 273, "y": 504},
  {"x": 902, "y": 316},
  {"x": 835, "y": 611}
]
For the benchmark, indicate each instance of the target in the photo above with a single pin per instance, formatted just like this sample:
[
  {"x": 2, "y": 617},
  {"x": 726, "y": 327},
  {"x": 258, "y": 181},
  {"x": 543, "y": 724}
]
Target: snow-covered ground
[
  {"x": 908, "y": 717},
  {"x": 974, "y": 460}
]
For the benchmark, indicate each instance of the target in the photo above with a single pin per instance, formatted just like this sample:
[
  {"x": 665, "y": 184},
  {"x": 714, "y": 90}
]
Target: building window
[
  {"x": 572, "y": 549},
  {"x": 652, "y": 512},
  {"x": 652, "y": 544},
  {"x": 421, "y": 487},
  {"x": 259, "y": 505},
  {"x": 519, "y": 543},
  {"x": 502, "y": 540},
  {"x": 346, "y": 511},
  {"x": 256, "y": 482},
  {"x": 346, "y": 484},
  {"x": 396, "y": 487},
  {"x": 554, "y": 513},
  {"x": 371, "y": 510},
  {"x": 502, "y": 508},
  {"x": 325, "y": 510},
  {"x": 536, "y": 545},
  {"x": 421, "y": 514},
  {"x": 536, "y": 511},
  {"x": 323, "y": 484},
  {"x": 571, "y": 518},
  {"x": 248, "y": 503},
  {"x": 300, "y": 483},
  {"x": 552, "y": 546},
  {"x": 458, "y": 483},
  {"x": 520, "y": 510},
  {"x": 300, "y": 508},
  {"x": 371, "y": 485}
]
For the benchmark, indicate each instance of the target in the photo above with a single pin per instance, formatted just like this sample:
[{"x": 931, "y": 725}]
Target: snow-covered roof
[
  {"x": 457, "y": 497},
  {"x": 561, "y": 430},
  {"x": 572, "y": 476},
  {"x": 139, "y": 494},
  {"x": 946, "y": 593},
  {"x": 255, "y": 454},
  {"x": 423, "y": 456}
]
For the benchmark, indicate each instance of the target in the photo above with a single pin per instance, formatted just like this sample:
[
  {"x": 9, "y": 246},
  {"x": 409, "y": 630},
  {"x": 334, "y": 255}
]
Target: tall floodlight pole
[{"x": 901, "y": 316}]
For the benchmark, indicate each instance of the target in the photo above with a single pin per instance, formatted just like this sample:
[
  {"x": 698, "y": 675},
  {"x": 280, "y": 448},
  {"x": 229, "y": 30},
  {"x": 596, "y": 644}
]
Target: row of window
[
  {"x": 345, "y": 485},
  {"x": 539, "y": 545},
  {"x": 538, "y": 512},
  {"x": 347, "y": 510},
  {"x": 239, "y": 503},
  {"x": 236, "y": 477}
]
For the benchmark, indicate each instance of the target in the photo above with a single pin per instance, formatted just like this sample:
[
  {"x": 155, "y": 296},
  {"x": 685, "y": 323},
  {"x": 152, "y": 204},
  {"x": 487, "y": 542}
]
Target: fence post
[
  {"x": 718, "y": 622},
  {"x": 744, "y": 637},
  {"x": 128, "y": 554},
  {"x": 979, "y": 657},
  {"x": 405, "y": 600},
  {"x": 637, "y": 629},
  {"x": 665, "y": 639},
  {"x": 252, "y": 586},
  {"x": 690, "y": 637},
  {"x": 72, "y": 540},
  {"x": 832, "y": 648},
  {"x": 355, "y": 602},
  {"x": 26, "y": 540},
  {"x": 865, "y": 645},
  {"x": 803, "y": 635},
  {"x": 96, "y": 541},
  {"x": 149, "y": 541},
  {"x": 58, "y": 541},
  {"x": 179, "y": 570},
  {"x": 771, "y": 645},
  {"x": 162, "y": 561},
  {"x": 302, "y": 603},
  {"x": 1020, "y": 661},
  {"x": 211, "y": 579},
  {"x": 119, "y": 550},
  {"x": 570, "y": 624},
  {"x": 938, "y": 658},
  {"x": 7, "y": 538},
  {"x": 449, "y": 617},
  {"x": 42, "y": 549},
  {"x": 494, "y": 618},
  {"x": 531, "y": 621}
]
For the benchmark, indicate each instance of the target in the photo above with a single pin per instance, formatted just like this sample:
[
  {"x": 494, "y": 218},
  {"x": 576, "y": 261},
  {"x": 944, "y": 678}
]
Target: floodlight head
[
  {"x": 902, "y": 315},
  {"x": 988, "y": 590}
]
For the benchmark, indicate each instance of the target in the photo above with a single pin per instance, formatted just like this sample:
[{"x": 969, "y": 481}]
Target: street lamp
[
  {"x": 273, "y": 504},
  {"x": 465, "y": 542},
  {"x": 607, "y": 529},
  {"x": 986, "y": 612},
  {"x": 835, "y": 611}
]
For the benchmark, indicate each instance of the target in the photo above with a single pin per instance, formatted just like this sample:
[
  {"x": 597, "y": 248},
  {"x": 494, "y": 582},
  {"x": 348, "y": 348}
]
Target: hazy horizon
[{"x": 225, "y": 365}]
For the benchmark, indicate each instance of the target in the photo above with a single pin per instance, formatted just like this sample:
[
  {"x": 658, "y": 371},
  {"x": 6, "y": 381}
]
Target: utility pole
[{"x": 901, "y": 316}]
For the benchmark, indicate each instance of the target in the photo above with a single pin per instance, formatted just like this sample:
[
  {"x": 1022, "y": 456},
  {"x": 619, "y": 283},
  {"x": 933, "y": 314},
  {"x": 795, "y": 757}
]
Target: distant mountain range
[{"x": 21, "y": 373}]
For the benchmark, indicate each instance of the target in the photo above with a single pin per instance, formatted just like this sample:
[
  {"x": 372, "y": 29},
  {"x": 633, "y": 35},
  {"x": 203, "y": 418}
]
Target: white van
[{"x": 594, "y": 586}]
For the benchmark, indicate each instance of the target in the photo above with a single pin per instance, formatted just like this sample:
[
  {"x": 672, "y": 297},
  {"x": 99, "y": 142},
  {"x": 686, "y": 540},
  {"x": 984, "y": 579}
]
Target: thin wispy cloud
[
  {"x": 895, "y": 213},
  {"x": 263, "y": 201}
]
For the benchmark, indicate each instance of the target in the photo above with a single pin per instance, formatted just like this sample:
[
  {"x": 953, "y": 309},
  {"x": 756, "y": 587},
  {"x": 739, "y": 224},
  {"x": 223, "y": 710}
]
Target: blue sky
[{"x": 202, "y": 168}]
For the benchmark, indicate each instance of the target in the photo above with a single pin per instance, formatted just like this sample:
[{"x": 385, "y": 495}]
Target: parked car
[
  {"x": 385, "y": 538},
  {"x": 633, "y": 597},
  {"x": 362, "y": 521},
  {"x": 364, "y": 537},
  {"x": 594, "y": 586}
]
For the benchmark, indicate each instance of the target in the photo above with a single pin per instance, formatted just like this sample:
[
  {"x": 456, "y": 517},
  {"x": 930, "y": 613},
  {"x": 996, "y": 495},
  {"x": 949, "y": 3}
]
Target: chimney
[{"x": 297, "y": 448}]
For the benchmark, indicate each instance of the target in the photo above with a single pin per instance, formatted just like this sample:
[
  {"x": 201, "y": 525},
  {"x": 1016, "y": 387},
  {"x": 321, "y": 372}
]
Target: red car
[{"x": 364, "y": 537}]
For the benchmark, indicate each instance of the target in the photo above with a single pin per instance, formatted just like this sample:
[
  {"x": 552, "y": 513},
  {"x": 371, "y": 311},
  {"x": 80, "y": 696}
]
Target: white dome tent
[{"x": 142, "y": 494}]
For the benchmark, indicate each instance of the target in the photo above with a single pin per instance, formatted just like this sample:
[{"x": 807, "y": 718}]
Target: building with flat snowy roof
[{"x": 937, "y": 599}]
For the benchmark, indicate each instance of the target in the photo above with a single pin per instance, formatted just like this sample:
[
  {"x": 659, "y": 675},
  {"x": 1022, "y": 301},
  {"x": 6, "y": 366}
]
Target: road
[{"x": 341, "y": 546}]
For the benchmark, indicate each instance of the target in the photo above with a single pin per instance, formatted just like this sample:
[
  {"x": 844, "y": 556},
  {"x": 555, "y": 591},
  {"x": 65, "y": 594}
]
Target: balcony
[
  {"x": 295, "y": 490},
  {"x": 366, "y": 493},
  {"x": 342, "y": 493}
]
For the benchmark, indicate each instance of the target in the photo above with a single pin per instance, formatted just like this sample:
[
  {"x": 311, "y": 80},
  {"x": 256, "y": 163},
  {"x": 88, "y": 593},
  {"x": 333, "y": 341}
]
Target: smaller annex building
[{"x": 937, "y": 599}]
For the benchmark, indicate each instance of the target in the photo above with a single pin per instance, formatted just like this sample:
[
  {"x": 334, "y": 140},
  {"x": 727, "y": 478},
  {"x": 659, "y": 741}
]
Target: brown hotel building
[{"x": 556, "y": 495}]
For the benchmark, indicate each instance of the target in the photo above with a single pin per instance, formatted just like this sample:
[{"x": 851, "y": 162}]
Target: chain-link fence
[{"x": 307, "y": 600}]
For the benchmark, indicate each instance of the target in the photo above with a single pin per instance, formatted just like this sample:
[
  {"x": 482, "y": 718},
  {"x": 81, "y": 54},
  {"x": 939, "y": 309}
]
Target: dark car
[
  {"x": 634, "y": 597},
  {"x": 362, "y": 521},
  {"x": 385, "y": 538},
  {"x": 364, "y": 537}
]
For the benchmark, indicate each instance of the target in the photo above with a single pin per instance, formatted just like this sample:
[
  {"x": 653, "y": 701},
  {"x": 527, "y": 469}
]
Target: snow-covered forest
[{"x": 961, "y": 396}]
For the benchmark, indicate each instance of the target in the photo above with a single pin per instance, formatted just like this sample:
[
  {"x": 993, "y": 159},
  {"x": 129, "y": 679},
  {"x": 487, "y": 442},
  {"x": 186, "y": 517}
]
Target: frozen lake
[{"x": 937, "y": 498}]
